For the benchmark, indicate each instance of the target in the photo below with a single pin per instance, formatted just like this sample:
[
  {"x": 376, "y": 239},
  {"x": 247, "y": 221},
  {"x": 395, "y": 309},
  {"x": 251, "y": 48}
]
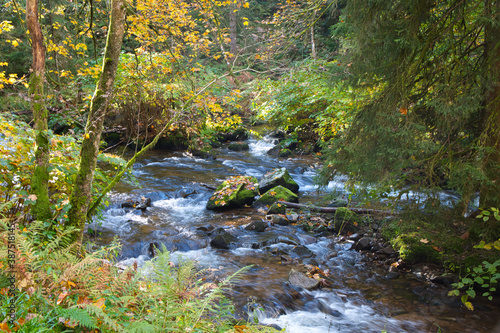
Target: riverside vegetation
[{"x": 399, "y": 98}]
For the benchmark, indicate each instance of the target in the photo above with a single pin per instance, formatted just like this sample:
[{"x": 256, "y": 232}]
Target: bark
[
  {"x": 81, "y": 194},
  {"x": 232, "y": 32},
  {"x": 490, "y": 193},
  {"x": 333, "y": 209},
  {"x": 40, "y": 180}
]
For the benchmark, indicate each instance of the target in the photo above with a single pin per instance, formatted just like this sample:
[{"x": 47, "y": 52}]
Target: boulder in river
[
  {"x": 276, "y": 208},
  {"x": 278, "y": 177},
  {"x": 238, "y": 146},
  {"x": 233, "y": 193},
  {"x": 301, "y": 280},
  {"x": 258, "y": 226},
  {"x": 222, "y": 239},
  {"x": 278, "y": 193}
]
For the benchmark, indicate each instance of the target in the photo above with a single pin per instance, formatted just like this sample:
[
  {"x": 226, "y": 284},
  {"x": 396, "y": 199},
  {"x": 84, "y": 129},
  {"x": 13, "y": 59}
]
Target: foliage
[
  {"x": 424, "y": 126},
  {"x": 16, "y": 168},
  {"x": 486, "y": 275},
  {"x": 307, "y": 103},
  {"x": 58, "y": 288}
]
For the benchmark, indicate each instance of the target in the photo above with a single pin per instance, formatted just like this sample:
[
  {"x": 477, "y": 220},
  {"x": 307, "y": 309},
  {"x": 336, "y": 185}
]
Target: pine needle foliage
[{"x": 426, "y": 128}]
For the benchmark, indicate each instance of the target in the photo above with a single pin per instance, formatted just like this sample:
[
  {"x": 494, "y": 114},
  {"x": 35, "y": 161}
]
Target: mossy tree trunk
[
  {"x": 39, "y": 181},
  {"x": 81, "y": 194},
  {"x": 490, "y": 194}
]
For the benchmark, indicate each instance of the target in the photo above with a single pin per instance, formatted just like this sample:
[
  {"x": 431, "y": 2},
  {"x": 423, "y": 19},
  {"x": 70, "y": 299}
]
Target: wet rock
[
  {"x": 331, "y": 255},
  {"x": 306, "y": 239},
  {"x": 285, "y": 153},
  {"x": 293, "y": 217},
  {"x": 392, "y": 275},
  {"x": 234, "y": 192},
  {"x": 328, "y": 310},
  {"x": 238, "y": 146},
  {"x": 345, "y": 221},
  {"x": 222, "y": 239},
  {"x": 445, "y": 280},
  {"x": 355, "y": 237},
  {"x": 388, "y": 250},
  {"x": 258, "y": 226},
  {"x": 206, "y": 228},
  {"x": 363, "y": 244},
  {"x": 278, "y": 252},
  {"x": 417, "y": 272},
  {"x": 310, "y": 261},
  {"x": 276, "y": 209},
  {"x": 278, "y": 177},
  {"x": 302, "y": 252},
  {"x": 275, "y": 194},
  {"x": 300, "y": 280},
  {"x": 279, "y": 219}
]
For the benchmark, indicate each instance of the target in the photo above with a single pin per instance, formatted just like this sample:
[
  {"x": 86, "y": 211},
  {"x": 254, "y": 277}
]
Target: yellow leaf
[
  {"x": 86, "y": 136},
  {"x": 100, "y": 303},
  {"x": 424, "y": 240},
  {"x": 469, "y": 306}
]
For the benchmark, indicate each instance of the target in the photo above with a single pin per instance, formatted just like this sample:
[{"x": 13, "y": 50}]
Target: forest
[{"x": 397, "y": 101}]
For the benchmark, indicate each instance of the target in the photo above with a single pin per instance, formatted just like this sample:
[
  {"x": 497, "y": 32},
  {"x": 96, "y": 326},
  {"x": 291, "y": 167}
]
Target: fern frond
[
  {"x": 79, "y": 316},
  {"x": 98, "y": 312}
]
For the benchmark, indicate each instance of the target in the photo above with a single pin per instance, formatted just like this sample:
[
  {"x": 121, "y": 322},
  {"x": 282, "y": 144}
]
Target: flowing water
[{"x": 360, "y": 299}]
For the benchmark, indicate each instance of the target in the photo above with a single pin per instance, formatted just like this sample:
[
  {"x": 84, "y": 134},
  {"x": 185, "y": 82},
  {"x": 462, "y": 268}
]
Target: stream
[{"x": 361, "y": 299}]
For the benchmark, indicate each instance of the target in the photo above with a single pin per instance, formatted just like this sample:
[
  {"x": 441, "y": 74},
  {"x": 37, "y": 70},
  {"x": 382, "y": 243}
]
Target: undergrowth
[{"x": 53, "y": 287}]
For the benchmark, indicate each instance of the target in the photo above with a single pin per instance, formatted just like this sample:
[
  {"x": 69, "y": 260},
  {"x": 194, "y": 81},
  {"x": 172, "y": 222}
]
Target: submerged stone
[{"x": 301, "y": 280}]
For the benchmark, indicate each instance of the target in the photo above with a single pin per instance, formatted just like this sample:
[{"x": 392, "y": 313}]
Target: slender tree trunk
[
  {"x": 313, "y": 44},
  {"x": 40, "y": 179},
  {"x": 233, "y": 48},
  {"x": 490, "y": 194},
  {"x": 81, "y": 194}
]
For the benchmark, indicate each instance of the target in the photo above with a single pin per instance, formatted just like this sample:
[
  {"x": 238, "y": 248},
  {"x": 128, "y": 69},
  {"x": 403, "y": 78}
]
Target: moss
[
  {"x": 278, "y": 193},
  {"x": 345, "y": 220},
  {"x": 413, "y": 248}
]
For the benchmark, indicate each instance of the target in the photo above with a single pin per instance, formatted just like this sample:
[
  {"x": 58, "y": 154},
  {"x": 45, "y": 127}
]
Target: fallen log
[{"x": 333, "y": 209}]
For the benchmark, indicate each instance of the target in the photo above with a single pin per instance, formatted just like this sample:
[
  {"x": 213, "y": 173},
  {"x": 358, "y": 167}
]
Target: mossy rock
[
  {"x": 345, "y": 220},
  {"x": 238, "y": 146},
  {"x": 276, "y": 209},
  {"x": 415, "y": 249},
  {"x": 233, "y": 193},
  {"x": 278, "y": 193},
  {"x": 278, "y": 177},
  {"x": 285, "y": 153}
]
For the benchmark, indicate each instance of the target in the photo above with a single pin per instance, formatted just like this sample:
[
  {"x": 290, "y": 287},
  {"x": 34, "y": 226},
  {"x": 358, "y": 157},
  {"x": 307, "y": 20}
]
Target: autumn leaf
[
  {"x": 424, "y": 240},
  {"x": 4, "y": 327},
  {"x": 403, "y": 110},
  {"x": 100, "y": 303},
  {"x": 61, "y": 297}
]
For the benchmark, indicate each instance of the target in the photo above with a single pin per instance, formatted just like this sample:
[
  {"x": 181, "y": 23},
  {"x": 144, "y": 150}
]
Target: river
[{"x": 361, "y": 299}]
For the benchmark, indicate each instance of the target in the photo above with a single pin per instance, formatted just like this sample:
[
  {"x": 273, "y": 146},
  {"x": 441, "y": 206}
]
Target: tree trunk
[
  {"x": 333, "y": 209},
  {"x": 40, "y": 180},
  {"x": 82, "y": 188},
  {"x": 232, "y": 32},
  {"x": 490, "y": 193}
]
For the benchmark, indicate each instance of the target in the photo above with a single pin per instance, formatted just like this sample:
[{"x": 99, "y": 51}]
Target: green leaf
[
  {"x": 471, "y": 293},
  {"x": 454, "y": 292},
  {"x": 479, "y": 280}
]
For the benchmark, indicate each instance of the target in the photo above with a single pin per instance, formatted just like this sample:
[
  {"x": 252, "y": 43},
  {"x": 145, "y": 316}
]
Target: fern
[{"x": 79, "y": 316}]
